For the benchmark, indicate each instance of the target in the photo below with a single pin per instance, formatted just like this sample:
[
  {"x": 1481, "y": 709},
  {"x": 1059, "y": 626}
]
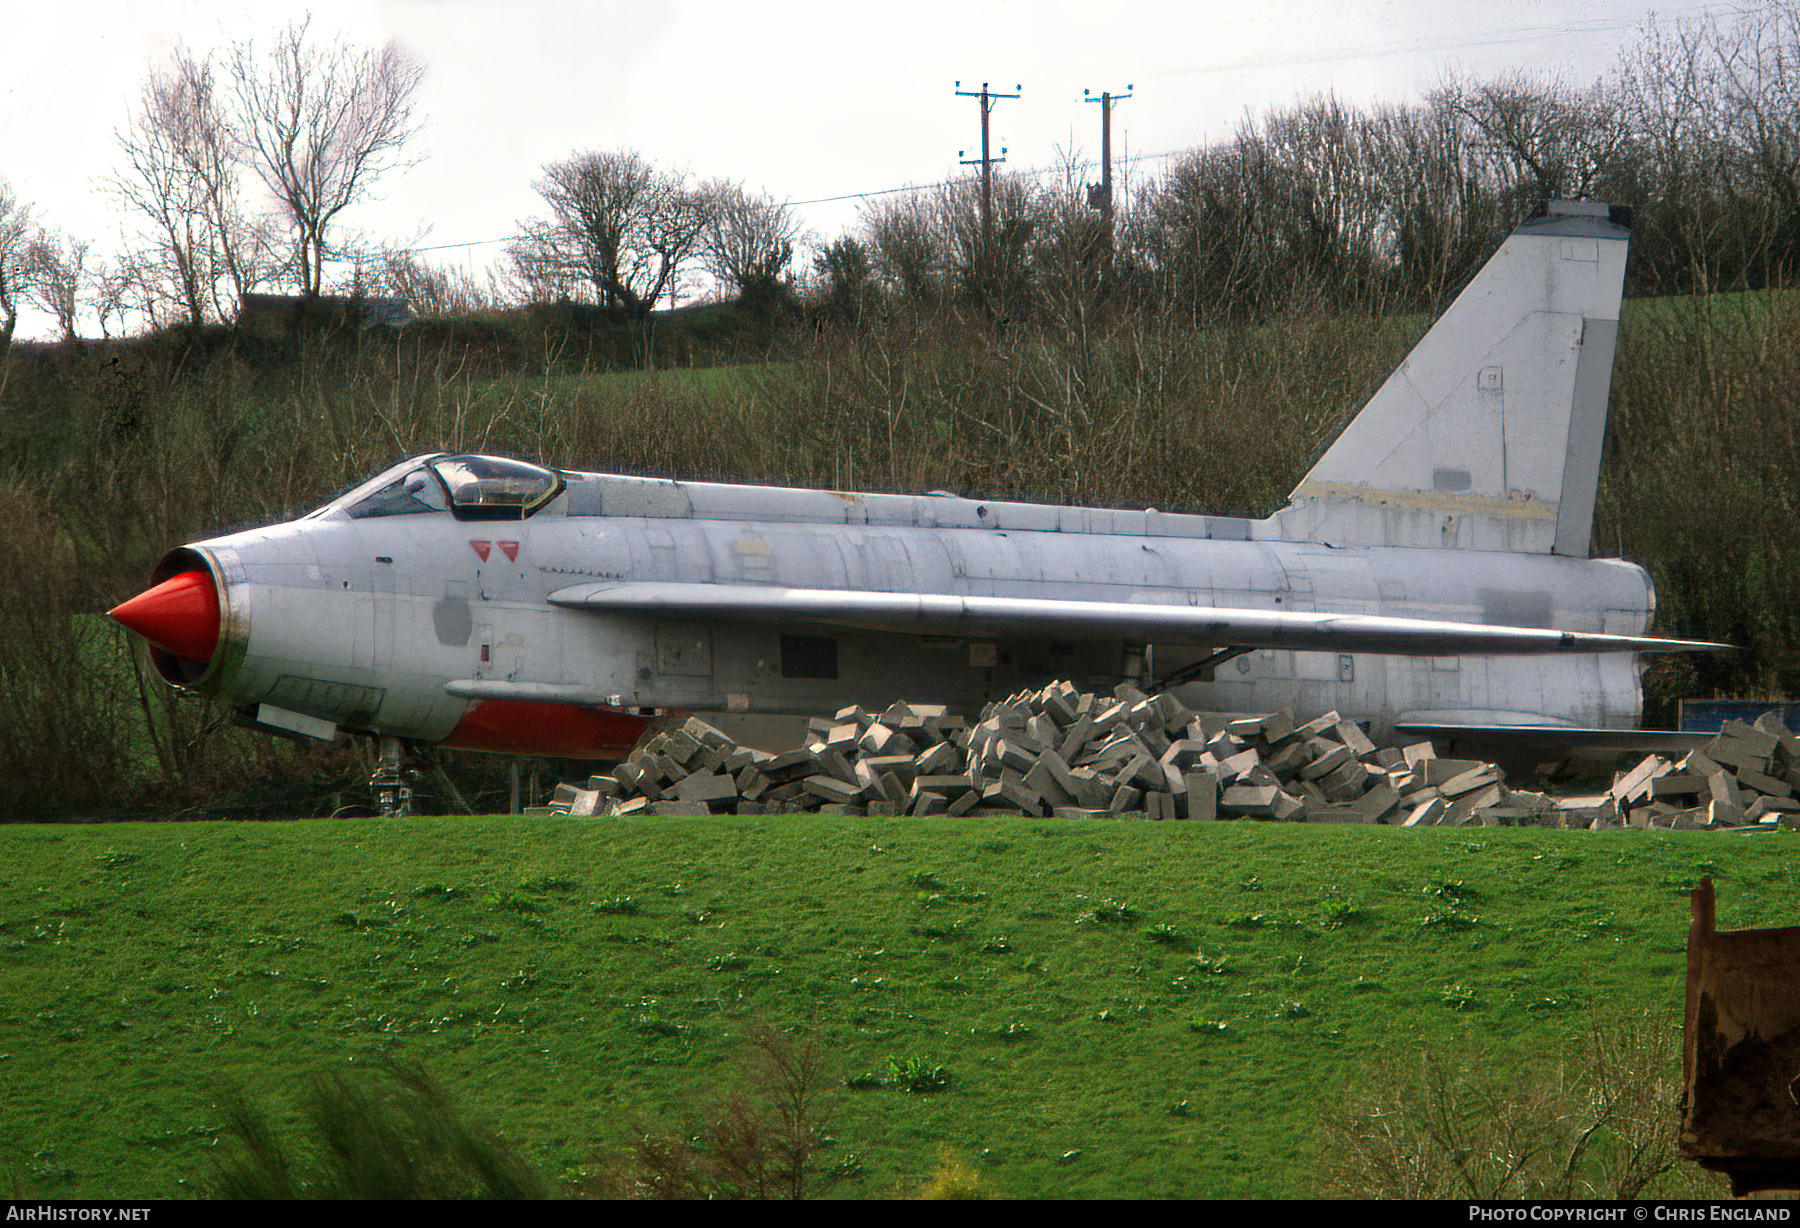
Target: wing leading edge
[{"x": 1037, "y": 617}]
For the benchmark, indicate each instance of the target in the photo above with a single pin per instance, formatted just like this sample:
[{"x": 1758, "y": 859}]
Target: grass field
[{"x": 562, "y": 977}]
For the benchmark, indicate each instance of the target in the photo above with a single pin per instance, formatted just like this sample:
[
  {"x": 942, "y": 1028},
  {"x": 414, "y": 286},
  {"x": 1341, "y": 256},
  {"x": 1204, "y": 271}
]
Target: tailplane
[{"x": 1488, "y": 436}]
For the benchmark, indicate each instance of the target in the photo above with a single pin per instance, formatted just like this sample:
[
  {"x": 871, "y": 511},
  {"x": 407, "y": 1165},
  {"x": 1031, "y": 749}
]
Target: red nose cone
[{"x": 180, "y": 616}]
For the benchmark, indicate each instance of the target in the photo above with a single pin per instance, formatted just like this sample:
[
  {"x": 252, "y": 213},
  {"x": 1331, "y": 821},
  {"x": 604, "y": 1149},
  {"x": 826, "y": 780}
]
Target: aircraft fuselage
[{"x": 369, "y": 623}]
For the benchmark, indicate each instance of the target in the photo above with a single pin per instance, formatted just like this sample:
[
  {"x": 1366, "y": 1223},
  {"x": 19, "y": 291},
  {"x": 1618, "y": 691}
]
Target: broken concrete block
[
  {"x": 1238, "y": 764},
  {"x": 1044, "y": 782},
  {"x": 1761, "y": 807},
  {"x": 1143, "y": 771},
  {"x": 1288, "y": 758},
  {"x": 1011, "y": 790},
  {"x": 788, "y": 766},
  {"x": 1352, "y": 735},
  {"x": 1378, "y": 802},
  {"x": 1286, "y": 808},
  {"x": 1319, "y": 725},
  {"x": 706, "y": 735},
  {"x": 1329, "y": 759},
  {"x": 1013, "y": 754},
  {"x": 1202, "y": 796},
  {"x": 831, "y": 789},
  {"x": 1724, "y": 813},
  {"x": 1769, "y": 785},
  {"x": 1077, "y": 738},
  {"x": 928, "y": 803},
  {"x": 1248, "y": 800},
  {"x": 937, "y": 760},
  {"x": 707, "y": 788},
  {"x": 1346, "y": 783},
  {"x": 1427, "y": 814},
  {"x": 1740, "y": 754},
  {"x": 878, "y": 739},
  {"x": 1278, "y": 727},
  {"x": 1480, "y": 778},
  {"x": 1437, "y": 771},
  {"x": 1677, "y": 784},
  {"x": 1749, "y": 737},
  {"x": 1698, "y": 763}
]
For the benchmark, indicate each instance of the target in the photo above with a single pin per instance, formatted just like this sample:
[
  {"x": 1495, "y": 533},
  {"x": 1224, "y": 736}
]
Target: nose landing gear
[{"x": 393, "y": 780}]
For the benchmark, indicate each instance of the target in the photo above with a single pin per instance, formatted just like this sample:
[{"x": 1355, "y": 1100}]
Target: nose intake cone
[{"x": 179, "y": 616}]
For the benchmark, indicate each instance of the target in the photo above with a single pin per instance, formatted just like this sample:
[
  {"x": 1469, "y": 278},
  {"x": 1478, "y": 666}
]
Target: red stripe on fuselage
[{"x": 562, "y": 731}]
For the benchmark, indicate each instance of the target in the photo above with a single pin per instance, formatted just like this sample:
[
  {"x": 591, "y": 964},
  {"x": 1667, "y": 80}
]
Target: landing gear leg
[
  {"x": 1131, "y": 664},
  {"x": 392, "y": 782}
]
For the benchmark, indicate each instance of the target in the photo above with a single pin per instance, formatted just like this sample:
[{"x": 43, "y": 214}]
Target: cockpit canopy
[{"x": 468, "y": 487}]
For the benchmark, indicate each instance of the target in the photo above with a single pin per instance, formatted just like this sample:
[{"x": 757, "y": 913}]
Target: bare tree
[
  {"x": 319, "y": 126},
  {"x": 1758, "y": 65},
  {"x": 748, "y": 241},
  {"x": 1557, "y": 138},
  {"x": 15, "y": 268},
  {"x": 909, "y": 244},
  {"x": 112, "y": 293},
  {"x": 617, "y": 224},
  {"x": 183, "y": 179},
  {"x": 58, "y": 270},
  {"x": 430, "y": 290}
]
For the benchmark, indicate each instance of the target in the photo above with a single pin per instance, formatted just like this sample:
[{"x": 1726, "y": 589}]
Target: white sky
[{"x": 804, "y": 99}]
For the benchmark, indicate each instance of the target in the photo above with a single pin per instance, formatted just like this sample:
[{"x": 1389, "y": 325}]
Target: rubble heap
[
  {"x": 1748, "y": 775},
  {"x": 1075, "y": 754}
]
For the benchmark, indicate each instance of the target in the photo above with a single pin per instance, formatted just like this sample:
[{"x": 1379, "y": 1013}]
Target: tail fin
[{"x": 1488, "y": 436}]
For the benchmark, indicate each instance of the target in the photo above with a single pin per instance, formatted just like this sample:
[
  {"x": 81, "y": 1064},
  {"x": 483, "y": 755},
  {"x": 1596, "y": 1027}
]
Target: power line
[
  {"x": 1517, "y": 34},
  {"x": 820, "y": 200}
]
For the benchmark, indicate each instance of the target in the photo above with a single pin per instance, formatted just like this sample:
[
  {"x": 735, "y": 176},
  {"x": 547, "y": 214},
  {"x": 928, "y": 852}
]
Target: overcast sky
[{"x": 800, "y": 98}]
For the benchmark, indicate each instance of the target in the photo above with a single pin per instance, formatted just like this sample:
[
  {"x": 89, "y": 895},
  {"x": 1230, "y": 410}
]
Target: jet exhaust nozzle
[{"x": 179, "y": 616}]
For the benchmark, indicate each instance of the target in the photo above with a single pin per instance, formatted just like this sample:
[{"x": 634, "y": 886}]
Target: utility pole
[
  {"x": 1100, "y": 195},
  {"x": 987, "y": 175}
]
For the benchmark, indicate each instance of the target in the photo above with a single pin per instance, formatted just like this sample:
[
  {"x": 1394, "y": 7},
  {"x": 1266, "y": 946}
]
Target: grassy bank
[{"x": 562, "y": 977}]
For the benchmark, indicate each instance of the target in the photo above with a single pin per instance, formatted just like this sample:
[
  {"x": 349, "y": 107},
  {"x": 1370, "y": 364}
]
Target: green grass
[
  {"x": 1724, "y": 308},
  {"x": 1117, "y": 1009}
]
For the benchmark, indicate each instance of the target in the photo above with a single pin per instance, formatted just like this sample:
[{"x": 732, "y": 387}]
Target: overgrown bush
[
  {"x": 764, "y": 1140},
  {"x": 1599, "y": 1121},
  {"x": 400, "y": 1139}
]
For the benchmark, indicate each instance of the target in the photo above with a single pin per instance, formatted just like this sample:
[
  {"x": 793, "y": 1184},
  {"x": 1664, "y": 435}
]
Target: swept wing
[{"x": 1048, "y": 618}]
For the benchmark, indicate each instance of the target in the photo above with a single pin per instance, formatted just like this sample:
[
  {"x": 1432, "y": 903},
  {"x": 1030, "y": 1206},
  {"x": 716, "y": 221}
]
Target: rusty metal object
[{"x": 1741, "y": 1052}]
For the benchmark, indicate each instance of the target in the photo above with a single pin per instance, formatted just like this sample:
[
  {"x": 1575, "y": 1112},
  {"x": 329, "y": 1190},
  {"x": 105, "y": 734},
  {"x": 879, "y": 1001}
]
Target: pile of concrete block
[
  {"x": 1747, "y": 776},
  {"x": 1063, "y": 752}
]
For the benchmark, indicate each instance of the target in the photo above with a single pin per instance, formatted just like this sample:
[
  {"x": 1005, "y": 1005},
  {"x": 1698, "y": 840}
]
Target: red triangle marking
[
  {"x": 511, "y": 549},
  {"x": 482, "y": 549}
]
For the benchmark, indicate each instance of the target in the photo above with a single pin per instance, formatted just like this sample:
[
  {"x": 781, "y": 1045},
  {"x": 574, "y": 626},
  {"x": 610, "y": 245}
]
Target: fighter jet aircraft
[{"x": 1430, "y": 572}]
